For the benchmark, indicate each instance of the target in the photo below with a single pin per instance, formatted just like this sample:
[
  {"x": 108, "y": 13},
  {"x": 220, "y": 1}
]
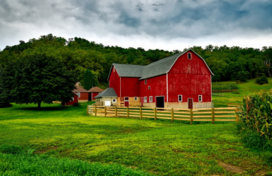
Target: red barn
[
  {"x": 74, "y": 99},
  {"x": 93, "y": 92},
  {"x": 83, "y": 95},
  {"x": 179, "y": 81}
]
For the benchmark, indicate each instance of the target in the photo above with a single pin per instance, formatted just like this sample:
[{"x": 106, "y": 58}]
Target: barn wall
[
  {"x": 114, "y": 81},
  {"x": 130, "y": 87},
  {"x": 189, "y": 78},
  {"x": 74, "y": 101},
  {"x": 157, "y": 87},
  {"x": 84, "y": 96},
  {"x": 93, "y": 94}
]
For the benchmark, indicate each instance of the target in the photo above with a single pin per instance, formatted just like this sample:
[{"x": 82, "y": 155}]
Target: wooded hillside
[{"x": 78, "y": 54}]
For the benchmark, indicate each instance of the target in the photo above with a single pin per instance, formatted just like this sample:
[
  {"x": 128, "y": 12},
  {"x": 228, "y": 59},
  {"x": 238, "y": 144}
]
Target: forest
[{"x": 78, "y": 54}]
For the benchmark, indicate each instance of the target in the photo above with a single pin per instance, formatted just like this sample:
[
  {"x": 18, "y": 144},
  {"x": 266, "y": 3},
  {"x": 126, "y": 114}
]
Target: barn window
[
  {"x": 149, "y": 87},
  {"x": 199, "y": 98},
  {"x": 145, "y": 99},
  {"x": 145, "y": 81},
  {"x": 114, "y": 100},
  {"x": 135, "y": 98},
  {"x": 150, "y": 99},
  {"x": 189, "y": 56},
  {"x": 126, "y": 98},
  {"x": 180, "y": 98}
]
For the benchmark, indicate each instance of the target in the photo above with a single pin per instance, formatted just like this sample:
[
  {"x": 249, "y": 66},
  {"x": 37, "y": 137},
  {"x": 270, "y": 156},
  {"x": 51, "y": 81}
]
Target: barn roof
[
  {"x": 157, "y": 68},
  {"x": 109, "y": 92},
  {"x": 127, "y": 70},
  {"x": 96, "y": 89},
  {"x": 79, "y": 89}
]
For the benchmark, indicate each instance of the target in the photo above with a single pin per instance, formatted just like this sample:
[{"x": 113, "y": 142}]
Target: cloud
[{"x": 156, "y": 20}]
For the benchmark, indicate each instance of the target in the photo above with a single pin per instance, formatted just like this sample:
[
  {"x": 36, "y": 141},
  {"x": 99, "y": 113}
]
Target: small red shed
[
  {"x": 93, "y": 92},
  {"x": 83, "y": 94},
  {"x": 74, "y": 99}
]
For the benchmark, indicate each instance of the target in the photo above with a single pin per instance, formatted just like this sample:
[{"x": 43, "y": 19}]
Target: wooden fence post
[
  {"x": 95, "y": 110},
  {"x": 191, "y": 114},
  {"x": 141, "y": 115},
  {"x": 172, "y": 115},
  {"x": 127, "y": 113},
  {"x": 105, "y": 111},
  {"x": 237, "y": 118},
  {"x": 115, "y": 111},
  {"x": 155, "y": 112},
  {"x": 212, "y": 115}
]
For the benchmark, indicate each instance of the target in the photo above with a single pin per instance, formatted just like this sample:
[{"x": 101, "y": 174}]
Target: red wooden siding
[
  {"x": 189, "y": 78},
  {"x": 84, "y": 96},
  {"x": 130, "y": 87},
  {"x": 74, "y": 101},
  {"x": 114, "y": 81},
  {"x": 93, "y": 94},
  {"x": 157, "y": 87}
]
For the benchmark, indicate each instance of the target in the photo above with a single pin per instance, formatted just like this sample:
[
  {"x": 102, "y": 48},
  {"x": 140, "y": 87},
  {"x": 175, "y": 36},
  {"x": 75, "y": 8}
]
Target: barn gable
[{"x": 163, "y": 66}]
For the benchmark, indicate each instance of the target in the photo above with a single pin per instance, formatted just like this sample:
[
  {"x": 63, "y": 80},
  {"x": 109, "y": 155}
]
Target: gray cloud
[{"x": 157, "y": 19}]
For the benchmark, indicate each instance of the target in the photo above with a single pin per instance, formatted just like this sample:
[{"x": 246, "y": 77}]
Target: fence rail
[{"x": 206, "y": 114}]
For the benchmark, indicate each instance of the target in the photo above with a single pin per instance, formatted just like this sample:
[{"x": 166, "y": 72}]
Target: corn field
[{"x": 256, "y": 114}]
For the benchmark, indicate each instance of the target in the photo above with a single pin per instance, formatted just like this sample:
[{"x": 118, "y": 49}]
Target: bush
[
  {"x": 76, "y": 105},
  {"x": 262, "y": 80},
  {"x": 243, "y": 76},
  {"x": 12, "y": 149}
]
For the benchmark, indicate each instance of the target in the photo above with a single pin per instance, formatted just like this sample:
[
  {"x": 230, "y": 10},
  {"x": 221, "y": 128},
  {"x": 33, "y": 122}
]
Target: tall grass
[
  {"x": 30, "y": 164},
  {"x": 224, "y": 87}
]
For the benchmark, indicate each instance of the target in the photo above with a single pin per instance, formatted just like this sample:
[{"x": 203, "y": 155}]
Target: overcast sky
[{"x": 150, "y": 24}]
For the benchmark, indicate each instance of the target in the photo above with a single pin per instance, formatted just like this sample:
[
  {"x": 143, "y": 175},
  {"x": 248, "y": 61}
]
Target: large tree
[
  {"x": 37, "y": 78},
  {"x": 4, "y": 100},
  {"x": 88, "y": 79}
]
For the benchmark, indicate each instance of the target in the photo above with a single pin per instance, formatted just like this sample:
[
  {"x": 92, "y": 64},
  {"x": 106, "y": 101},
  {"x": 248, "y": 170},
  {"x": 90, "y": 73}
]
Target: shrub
[
  {"x": 12, "y": 149},
  {"x": 76, "y": 105},
  {"x": 262, "y": 80},
  {"x": 243, "y": 76}
]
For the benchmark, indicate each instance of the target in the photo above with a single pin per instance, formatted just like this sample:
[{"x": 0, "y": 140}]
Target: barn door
[
  {"x": 190, "y": 103},
  {"x": 160, "y": 102},
  {"x": 142, "y": 101},
  {"x": 126, "y": 102}
]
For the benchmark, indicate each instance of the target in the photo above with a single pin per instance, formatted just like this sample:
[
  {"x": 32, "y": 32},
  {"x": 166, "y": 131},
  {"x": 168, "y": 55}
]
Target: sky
[{"x": 149, "y": 24}]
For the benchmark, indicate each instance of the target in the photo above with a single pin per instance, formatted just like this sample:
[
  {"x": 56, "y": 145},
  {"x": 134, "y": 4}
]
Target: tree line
[{"x": 78, "y": 54}]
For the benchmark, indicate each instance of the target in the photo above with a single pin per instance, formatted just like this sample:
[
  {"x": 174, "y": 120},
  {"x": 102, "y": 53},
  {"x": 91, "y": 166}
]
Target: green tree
[
  {"x": 37, "y": 78},
  {"x": 88, "y": 79},
  {"x": 4, "y": 101}
]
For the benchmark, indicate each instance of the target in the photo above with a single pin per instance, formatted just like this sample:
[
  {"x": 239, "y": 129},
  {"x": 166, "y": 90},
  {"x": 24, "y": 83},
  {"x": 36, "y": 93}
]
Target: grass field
[
  {"x": 67, "y": 142},
  {"x": 244, "y": 89}
]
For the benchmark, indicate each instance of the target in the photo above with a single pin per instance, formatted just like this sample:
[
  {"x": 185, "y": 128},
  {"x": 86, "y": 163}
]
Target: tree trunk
[{"x": 39, "y": 105}]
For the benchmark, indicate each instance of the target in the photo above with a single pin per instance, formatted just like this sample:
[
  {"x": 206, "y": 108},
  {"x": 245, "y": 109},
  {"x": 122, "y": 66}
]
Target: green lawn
[
  {"x": 156, "y": 147},
  {"x": 244, "y": 89}
]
